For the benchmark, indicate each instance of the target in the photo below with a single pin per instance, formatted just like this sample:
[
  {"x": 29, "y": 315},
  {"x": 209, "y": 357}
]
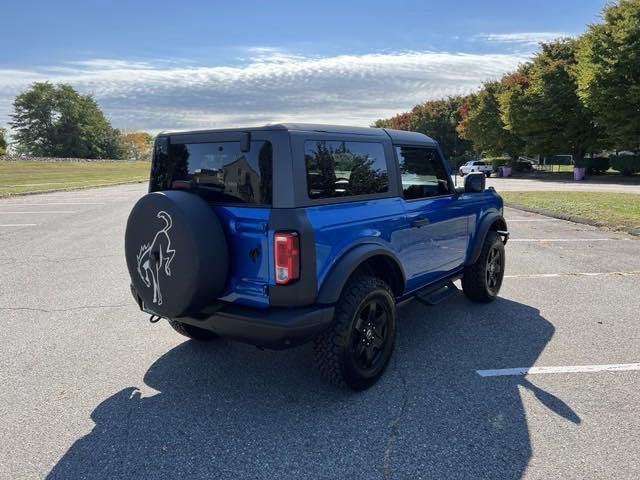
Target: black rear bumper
[{"x": 273, "y": 328}]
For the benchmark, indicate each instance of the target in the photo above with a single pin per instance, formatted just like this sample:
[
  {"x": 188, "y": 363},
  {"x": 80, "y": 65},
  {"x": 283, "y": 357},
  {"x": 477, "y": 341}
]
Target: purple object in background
[{"x": 579, "y": 173}]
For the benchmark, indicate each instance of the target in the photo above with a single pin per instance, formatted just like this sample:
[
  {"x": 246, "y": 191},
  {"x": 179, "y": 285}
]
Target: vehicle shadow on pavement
[{"x": 226, "y": 410}]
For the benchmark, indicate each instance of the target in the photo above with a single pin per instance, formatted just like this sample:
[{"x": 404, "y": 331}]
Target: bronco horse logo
[{"x": 155, "y": 257}]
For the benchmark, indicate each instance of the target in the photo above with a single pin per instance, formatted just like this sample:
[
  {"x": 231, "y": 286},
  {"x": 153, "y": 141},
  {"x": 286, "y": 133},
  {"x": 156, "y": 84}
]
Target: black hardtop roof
[{"x": 400, "y": 136}]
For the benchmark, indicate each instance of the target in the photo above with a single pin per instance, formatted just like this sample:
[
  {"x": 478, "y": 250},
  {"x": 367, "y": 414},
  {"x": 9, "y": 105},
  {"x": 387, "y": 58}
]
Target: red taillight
[{"x": 286, "y": 252}]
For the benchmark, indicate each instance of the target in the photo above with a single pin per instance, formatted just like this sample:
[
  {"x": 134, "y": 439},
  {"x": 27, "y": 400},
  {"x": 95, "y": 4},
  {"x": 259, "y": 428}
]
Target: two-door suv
[{"x": 288, "y": 233}]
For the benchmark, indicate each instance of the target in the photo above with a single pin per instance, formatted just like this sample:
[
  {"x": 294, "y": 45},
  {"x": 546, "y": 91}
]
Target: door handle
[{"x": 419, "y": 222}]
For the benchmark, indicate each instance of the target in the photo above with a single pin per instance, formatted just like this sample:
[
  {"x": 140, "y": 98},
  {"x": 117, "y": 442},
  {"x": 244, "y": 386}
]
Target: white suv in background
[{"x": 476, "y": 166}]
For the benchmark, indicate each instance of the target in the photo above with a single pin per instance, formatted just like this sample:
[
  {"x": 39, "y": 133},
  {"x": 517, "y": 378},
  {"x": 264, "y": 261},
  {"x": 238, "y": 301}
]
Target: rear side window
[
  {"x": 344, "y": 169},
  {"x": 423, "y": 173},
  {"x": 218, "y": 171}
]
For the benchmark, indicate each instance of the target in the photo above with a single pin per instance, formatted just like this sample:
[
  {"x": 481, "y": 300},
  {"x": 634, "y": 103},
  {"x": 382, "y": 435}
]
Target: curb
[
  {"x": 573, "y": 218},
  {"x": 69, "y": 189}
]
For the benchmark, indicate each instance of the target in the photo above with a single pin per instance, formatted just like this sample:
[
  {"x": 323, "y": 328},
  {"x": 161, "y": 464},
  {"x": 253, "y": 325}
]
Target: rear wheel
[
  {"x": 482, "y": 280},
  {"x": 356, "y": 349},
  {"x": 192, "y": 332}
]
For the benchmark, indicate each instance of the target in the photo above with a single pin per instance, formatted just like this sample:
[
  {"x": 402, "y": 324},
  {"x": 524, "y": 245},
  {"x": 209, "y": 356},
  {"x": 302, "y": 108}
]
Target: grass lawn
[
  {"x": 30, "y": 176},
  {"x": 611, "y": 209}
]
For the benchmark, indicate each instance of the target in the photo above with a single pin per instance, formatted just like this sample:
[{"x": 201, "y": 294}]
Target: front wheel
[
  {"x": 482, "y": 280},
  {"x": 356, "y": 349}
]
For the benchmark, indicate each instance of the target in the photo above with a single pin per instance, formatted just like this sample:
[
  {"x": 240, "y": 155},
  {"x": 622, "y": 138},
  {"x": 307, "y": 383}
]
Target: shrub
[
  {"x": 597, "y": 165},
  {"x": 496, "y": 163},
  {"x": 581, "y": 163},
  {"x": 522, "y": 166},
  {"x": 626, "y": 164},
  {"x": 456, "y": 162}
]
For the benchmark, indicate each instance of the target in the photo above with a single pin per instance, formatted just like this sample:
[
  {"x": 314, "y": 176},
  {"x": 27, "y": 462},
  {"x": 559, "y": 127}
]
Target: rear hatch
[{"x": 233, "y": 173}]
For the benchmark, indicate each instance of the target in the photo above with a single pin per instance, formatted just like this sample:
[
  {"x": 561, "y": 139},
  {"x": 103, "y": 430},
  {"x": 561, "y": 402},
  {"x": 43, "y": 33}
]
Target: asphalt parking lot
[
  {"x": 90, "y": 389},
  {"x": 565, "y": 183}
]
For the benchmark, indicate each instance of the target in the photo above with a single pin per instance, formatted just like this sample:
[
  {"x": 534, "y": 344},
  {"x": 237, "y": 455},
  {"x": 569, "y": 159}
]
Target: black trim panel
[
  {"x": 303, "y": 291},
  {"x": 273, "y": 328},
  {"x": 481, "y": 234},
  {"x": 348, "y": 263}
]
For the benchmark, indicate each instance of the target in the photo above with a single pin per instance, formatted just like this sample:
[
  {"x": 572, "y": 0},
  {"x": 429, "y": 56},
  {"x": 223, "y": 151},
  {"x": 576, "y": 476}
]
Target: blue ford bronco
[{"x": 285, "y": 234}]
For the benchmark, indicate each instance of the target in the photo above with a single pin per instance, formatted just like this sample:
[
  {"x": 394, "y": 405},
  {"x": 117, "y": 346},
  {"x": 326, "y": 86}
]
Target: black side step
[{"x": 433, "y": 296}]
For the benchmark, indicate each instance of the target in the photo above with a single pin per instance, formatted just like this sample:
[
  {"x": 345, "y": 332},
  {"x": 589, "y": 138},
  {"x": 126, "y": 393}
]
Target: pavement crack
[
  {"x": 70, "y": 309},
  {"x": 394, "y": 425}
]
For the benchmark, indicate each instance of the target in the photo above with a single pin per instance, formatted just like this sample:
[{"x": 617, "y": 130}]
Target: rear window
[
  {"x": 344, "y": 169},
  {"x": 219, "y": 171}
]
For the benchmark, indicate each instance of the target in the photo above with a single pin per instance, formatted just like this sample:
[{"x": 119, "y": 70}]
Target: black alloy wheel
[
  {"x": 370, "y": 334},
  {"x": 494, "y": 270}
]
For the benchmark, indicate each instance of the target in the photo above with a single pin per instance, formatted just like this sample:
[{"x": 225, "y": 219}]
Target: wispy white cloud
[
  {"x": 523, "y": 38},
  {"x": 270, "y": 86}
]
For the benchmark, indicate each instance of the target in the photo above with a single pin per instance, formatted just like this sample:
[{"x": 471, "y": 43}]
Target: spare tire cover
[{"x": 176, "y": 253}]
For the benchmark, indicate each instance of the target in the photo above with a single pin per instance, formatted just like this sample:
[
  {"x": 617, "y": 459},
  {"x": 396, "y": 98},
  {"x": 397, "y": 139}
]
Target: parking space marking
[
  {"x": 575, "y": 274},
  {"x": 43, "y": 211},
  {"x": 18, "y": 225},
  {"x": 544, "y": 240},
  {"x": 614, "y": 367}
]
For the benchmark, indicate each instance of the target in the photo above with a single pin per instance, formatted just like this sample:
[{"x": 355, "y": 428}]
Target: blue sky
[{"x": 165, "y": 65}]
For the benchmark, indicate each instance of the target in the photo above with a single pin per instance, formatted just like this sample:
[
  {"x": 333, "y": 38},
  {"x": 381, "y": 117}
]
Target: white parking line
[
  {"x": 574, "y": 274},
  {"x": 543, "y": 240},
  {"x": 43, "y": 211},
  {"x": 615, "y": 367},
  {"x": 17, "y": 225}
]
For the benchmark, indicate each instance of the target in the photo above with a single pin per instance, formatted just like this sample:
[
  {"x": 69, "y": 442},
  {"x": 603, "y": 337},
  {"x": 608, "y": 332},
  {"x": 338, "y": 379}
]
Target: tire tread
[
  {"x": 473, "y": 281},
  {"x": 328, "y": 346}
]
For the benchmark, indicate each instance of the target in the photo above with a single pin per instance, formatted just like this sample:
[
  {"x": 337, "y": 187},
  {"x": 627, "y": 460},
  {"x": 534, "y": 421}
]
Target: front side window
[
  {"x": 219, "y": 171},
  {"x": 344, "y": 169},
  {"x": 423, "y": 173}
]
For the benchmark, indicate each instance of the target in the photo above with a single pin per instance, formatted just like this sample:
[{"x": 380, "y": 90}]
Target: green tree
[
  {"x": 137, "y": 145},
  {"x": 56, "y": 120},
  {"x": 481, "y": 123},
  {"x": 402, "y": 121},
  {"x": 540, "y": 104},
  {"x": 439, "y": 119},
  {"x": 3, "y": 141},
  {"x": 609, "y": 72}
]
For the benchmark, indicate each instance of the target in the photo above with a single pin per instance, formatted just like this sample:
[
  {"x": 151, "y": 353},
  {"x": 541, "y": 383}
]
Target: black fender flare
[
  {"x": 481, "y": 233},
  {"x": 347, "y": 264}
]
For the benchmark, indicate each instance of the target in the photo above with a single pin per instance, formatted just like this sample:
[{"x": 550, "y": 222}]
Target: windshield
[{"x": 218, "y": 171}]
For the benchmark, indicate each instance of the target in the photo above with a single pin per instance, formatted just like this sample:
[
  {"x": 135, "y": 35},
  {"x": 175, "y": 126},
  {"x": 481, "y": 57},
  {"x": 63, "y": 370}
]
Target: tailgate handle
[{"x": 419, "y": 222}]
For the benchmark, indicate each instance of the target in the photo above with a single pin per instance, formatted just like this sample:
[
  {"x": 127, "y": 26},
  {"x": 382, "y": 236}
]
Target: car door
[{"x": 436, "y": 234}]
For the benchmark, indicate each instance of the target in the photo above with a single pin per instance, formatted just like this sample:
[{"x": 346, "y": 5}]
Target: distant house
[{"x": 241, "y": 179}]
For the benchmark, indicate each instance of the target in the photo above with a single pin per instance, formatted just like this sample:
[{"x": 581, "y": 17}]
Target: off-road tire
[
  {"x": 195, "y": 333},
  {"x": 474, "y": 281},
  {"x": 333, "y": 350}
]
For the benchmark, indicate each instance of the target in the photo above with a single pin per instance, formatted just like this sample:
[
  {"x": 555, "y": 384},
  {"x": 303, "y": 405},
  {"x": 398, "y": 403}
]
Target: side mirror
[{"x": 475, "y": 182}]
